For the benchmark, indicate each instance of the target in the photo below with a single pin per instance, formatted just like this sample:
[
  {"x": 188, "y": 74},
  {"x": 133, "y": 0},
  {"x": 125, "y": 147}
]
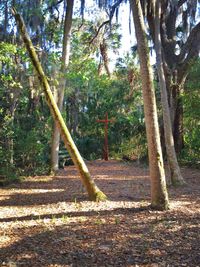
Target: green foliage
[
  {"x": 31, "y": 152},
  {"x": 90, "y": 147},
  {"x": 25, "y": 122},
  {"x": 90, "y": 96},
  {"x": 191, "y": 100},
  {"x": 8, "y": 174},
  {"x": 21, "y": 125},
  {"x": 6, "y": 50}
]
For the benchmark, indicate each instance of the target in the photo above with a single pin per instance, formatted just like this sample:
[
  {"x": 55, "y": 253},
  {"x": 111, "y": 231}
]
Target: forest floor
[{"x": 47, "y": 221}]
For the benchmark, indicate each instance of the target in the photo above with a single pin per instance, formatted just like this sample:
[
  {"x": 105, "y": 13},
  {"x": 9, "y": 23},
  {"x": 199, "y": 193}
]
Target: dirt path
[{"x": 47, "y": 221}]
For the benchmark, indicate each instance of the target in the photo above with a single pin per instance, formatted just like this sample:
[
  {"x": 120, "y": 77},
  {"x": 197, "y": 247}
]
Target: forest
[{"x": 99, "y": 133}]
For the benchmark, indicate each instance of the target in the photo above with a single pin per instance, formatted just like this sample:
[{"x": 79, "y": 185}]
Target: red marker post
[{"x": 105, "y": 121}]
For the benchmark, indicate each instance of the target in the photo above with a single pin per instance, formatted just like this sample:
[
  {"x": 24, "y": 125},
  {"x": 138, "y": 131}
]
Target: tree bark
[
  {"x": 92, "y": 189},
  {"x": 175, "y": 173},
  {"x": 5, "y": 20},
  {"x": 100, "y": 68},
  {"x": 175, "y": 88},
  {"x": 73, "y": 110},
  {"x": 104, "y": 54},
  {"x": 159, "y": 195},
  {"x": 177, "y": 116},
  {"x": 60, "y": 95},
  {"x": 176, "y": 66}
]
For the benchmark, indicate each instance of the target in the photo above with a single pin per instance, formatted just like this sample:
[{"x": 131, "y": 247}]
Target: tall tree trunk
[
  {"x": 177, "y": 118},
  {"x": 92, "y": 189},
  {"x": 176, "y": 66},
  {"x": 100, "y": 68},
  {"x": 5, "y": 20},
  {"x": 104, "y": 54},
  {"x": 65, "y": 61},
  {"x": 159, "y": 195},
  {"x": 11, "y": 140},
  {"x": 72, "y": 115},
  {"x": 175, "y": 173},
  {"x": 174, "y": 89}
]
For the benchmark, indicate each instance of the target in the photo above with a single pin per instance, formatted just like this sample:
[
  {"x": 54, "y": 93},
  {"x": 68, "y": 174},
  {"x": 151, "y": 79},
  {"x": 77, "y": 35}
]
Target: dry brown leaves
[{"x": 47, "y": 221}]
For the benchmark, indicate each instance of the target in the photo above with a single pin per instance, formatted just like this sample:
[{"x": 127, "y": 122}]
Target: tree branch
[
  {"x": 112, "y": 12},
  {"x": 54, "y": 5},
  {"x": 191, "y": 47},
  {"x": 78, "y": 28},
  {"x": 181, "y": 2},
  {"x": 97, "y": 33},
  {"x": 113, "y": 8}
]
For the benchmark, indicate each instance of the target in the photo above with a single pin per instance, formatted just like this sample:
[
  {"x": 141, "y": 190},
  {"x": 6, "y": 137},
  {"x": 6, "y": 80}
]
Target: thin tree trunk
[
  {"x": 11, "y": 140},
  {"x": 92, "y": 189},
  {"x": 100, "y": 68},
  {"x": 65, "y": 61},
  {"x": 174, "y": 89},
  {"x": 104, "y": 54},
  {"x": 159, "y": 195},
  {"x": 5, "y": 20},
  {"x": 74, "y": 113},
  {"x": 175, "y": 173},
  {"x": 178, "y": 118}
]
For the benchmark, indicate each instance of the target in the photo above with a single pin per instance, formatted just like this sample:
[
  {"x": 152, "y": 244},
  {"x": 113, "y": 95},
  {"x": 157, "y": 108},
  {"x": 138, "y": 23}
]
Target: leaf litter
[{"x": 48, "y": 221}]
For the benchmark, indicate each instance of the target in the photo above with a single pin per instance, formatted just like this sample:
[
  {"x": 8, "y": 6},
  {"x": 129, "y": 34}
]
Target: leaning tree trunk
[
  {"x": 175, "y": 173},
  {"x": 60, "y": 94},
  {"x": 92, "y": 189},
  {"x": 159, "y": 195}
]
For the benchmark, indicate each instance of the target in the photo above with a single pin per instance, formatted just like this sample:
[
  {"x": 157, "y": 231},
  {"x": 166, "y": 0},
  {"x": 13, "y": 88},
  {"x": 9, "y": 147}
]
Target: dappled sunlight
[
  {"x": 34, "y": 191},
  {"x": 37, "y": 179},
  {"x": 69, "y": 210},
  {"x": 4, "y": 197},
  {"x": 121, "y": 177},
  {"x": 108, "y": 236}
]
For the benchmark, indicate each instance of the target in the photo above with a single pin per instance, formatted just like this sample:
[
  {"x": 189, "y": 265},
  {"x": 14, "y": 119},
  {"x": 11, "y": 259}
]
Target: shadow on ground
[
  {"x": 138, "y": 238},
  {"x": 55, "y": 225}
]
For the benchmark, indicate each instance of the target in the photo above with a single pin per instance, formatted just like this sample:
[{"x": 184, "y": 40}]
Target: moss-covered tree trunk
[
  {"x": 159, "y": 195},
  {"x": 93, "y": 191}
]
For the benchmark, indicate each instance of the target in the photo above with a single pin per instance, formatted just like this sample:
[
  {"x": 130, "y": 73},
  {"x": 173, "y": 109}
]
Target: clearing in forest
[{"x": 47, "y": 221}]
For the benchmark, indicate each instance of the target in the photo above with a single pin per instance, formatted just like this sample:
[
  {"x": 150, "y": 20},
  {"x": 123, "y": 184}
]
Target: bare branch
[
  {"x": 54, "y": 5},
  {"x": 113, "y": 8},
  {"x": 97, "y": 33},
  {"x": 112, "y": 12},
  {"x": 181, "y": 2},
  {"x": 79, "y": 27},
  {"x": 191, "y": 47},
  {"x": 190, "y": 52}
]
